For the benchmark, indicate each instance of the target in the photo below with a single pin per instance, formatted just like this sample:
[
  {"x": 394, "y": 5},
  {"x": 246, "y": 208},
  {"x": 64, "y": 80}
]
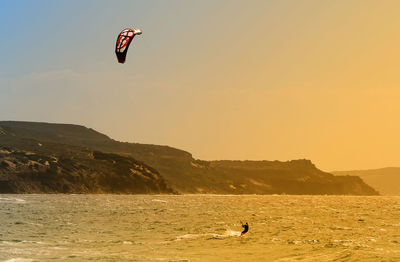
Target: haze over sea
[{"x": 198, "y": 228}]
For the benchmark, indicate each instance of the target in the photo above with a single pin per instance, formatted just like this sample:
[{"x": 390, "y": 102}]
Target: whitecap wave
[
  {"x": 159, "y": 200},
  {"x": 16, "y": 200},
  {"x": 18, "y": 259}
]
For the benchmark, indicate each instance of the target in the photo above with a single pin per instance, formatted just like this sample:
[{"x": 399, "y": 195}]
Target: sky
[{"x": 248, "y": 80}]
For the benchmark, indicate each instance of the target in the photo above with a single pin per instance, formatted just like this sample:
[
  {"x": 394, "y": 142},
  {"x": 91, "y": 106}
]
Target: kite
[{"x": 123, "y": 41}]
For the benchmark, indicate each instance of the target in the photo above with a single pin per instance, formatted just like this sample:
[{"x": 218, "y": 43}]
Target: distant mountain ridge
[
  {"x": 385, "y": 180},
  {"x": 180, "y": 170}
]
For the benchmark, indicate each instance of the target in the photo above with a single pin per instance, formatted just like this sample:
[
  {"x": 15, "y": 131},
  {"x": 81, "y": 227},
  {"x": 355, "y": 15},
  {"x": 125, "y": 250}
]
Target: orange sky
[{"x": 274, "y": 80}]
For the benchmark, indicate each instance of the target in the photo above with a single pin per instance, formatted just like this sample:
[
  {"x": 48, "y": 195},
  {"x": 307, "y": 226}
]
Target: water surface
[{"x": 198, "y": 228}]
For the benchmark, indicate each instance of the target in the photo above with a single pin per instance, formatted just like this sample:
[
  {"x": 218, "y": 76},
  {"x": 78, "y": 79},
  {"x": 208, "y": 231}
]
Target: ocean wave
[
  {"x": 16, "y": 200},
  {"x": 18, "y": 259},
  {"x": 159, "y": 200}
]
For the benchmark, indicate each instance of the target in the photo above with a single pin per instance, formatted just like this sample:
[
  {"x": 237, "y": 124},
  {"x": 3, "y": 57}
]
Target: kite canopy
[{"x": 123, "y": 41}]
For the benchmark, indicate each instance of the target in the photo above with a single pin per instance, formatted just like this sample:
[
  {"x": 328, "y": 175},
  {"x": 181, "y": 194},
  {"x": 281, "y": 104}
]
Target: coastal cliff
[{"x": 44, "y": 157}]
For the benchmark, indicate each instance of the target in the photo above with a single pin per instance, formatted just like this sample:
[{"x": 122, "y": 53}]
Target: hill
[
  {"x": 29, "y": 166},
  {"x": 385, "y": 180},
  {"x": 184, "y": 173}
]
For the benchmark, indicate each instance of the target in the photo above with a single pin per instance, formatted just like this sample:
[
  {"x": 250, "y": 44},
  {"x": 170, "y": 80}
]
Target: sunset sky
[{"x": 273, "y": 80}]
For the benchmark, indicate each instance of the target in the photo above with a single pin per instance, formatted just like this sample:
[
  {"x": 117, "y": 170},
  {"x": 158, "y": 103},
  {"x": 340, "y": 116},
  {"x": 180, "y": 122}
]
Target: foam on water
[
  {"x": 16, "y": 200},
  {"x": 227, "y": 233},
  {"x": 159, "y": 200},
  {"x": 190, "y": 236},
  {"x": 18, "y": 259}
]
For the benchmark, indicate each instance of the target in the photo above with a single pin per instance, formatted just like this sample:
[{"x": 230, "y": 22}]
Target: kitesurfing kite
[{"x": 123, "y": 41}]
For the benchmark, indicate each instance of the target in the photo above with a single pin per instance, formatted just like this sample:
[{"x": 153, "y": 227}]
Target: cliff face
[
  {"x": 181, "y": 171},
  {"x": 292, "y": 177},
  {"x": 57, "y": 168}
]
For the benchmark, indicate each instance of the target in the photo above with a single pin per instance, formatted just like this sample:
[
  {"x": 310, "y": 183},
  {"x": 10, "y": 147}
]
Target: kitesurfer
[{"x": 245, "y": 228}]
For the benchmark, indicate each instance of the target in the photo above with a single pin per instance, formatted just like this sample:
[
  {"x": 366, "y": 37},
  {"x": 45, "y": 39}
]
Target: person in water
[{"x": 245, "y": 228}]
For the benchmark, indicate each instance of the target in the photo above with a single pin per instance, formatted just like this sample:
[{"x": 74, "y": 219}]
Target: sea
[{"x": 62, "y": 227}]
